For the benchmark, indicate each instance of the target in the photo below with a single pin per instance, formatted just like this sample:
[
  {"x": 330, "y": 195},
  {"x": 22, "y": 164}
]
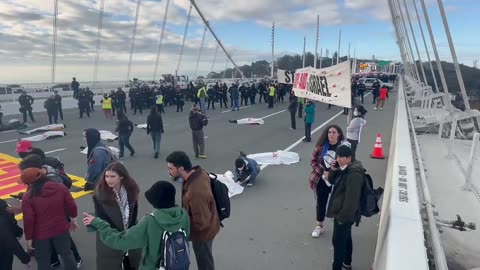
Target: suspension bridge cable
[
  {"x": 200, "y": 51},
  {"x": 132, "y": 47},
  {"x": 184, "y": 37},
  {"x": 99, "y": 41},
  {"x": 161, "y": 39},
  {"x": 214, "y": 58},
  {"x": 54, "y": 40}
]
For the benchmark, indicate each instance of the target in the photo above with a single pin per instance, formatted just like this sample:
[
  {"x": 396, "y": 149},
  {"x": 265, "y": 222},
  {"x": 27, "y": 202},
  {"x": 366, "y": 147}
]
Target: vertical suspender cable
[
  {"x": 214, "y": 58},
  {"x": 134, "y": 34},
  {"x": 200, "y": 51},
  {"x": 415, "y": 42},
  {"x": 184, "y": 37},
  {"x": 409, "y": 49},
  {"x": 437, "y": 57},
  {"x": 339, "y": 42},
  {"x": 54, "y": 41},
  {"x": 99, "y": 42},
  {"x": 426, "y": 47},
  {"x": 161, "y": 40}
]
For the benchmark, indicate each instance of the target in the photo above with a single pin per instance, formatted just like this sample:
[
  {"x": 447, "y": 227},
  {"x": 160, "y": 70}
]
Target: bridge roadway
[{"x": 271, "y": 223}]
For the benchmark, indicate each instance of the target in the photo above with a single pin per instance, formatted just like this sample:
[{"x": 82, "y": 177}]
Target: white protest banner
[
  {"x": 285, "y": 76},
  {"x": 330, "y": 85}
]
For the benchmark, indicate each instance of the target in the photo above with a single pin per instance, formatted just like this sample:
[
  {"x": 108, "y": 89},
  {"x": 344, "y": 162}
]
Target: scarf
[{"x": 122, "y": 200}]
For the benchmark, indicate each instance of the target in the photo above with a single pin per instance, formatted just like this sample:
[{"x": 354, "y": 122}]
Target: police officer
[
  {"x": 83, "y": 102},
  {"x": 159, "y": 103},
  {"x": 26, "y": 102},
  {"x": 121, "y": 97},
  {"x": 90, "y": 98}
]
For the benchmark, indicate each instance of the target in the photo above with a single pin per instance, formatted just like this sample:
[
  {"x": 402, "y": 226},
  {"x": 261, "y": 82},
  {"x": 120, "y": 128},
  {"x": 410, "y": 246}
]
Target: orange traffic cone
[{"x": 378, "y": 149}]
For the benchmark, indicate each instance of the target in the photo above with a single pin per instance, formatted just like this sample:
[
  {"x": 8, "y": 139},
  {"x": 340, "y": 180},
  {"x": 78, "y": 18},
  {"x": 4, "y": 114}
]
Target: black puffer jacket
[{"x": 196, "y": 120}]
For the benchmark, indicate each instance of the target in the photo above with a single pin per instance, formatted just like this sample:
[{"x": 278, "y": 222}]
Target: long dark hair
[
  {"x": 36, "y": 187},
  {"x": 125, "y": 179},
  {"x": 324, "y": 136}
]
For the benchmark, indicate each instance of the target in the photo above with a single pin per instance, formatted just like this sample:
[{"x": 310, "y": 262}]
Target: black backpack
[
  {"x": 59, "y": 167},
  {"x": 176, "y": 251},
  {"x": 368, "y": 205},
  {"x": 220, "y": 194}
]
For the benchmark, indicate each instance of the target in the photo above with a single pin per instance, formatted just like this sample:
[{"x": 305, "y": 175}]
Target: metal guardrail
[{"x": 400, "y": 242}]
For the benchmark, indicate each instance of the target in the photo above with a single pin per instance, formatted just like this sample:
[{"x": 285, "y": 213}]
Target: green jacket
[
  {"x": 309, "y": 113},
  {"x": 147, "y": 234},
  {"x": 345, "y": 198}
]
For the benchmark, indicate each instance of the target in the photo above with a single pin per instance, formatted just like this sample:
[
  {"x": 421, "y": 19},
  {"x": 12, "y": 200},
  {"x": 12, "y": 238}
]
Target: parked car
[
  {"x": 16, "y": 88},
  {"x": 369, "y": 82},
  {"x": 60, "y": 87},
  {"x": 5, "y": 90}
]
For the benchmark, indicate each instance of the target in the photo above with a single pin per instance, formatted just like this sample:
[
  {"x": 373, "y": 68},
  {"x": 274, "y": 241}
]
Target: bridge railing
[{"x": 401, "y": 242}]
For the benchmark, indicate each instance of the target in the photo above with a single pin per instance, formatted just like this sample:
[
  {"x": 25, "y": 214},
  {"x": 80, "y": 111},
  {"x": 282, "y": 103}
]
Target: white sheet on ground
[
  {"x": 53, "y": 127},
  {"x": 45, "y": 136},
  {"x": 142, "y": 126},
  {"x": 107, "y": 135},
  {"x": 250, "y": 121},
  {"x": 228, "y": 179},
  {"x": 275, "y": 158},
  {"x": 113, "y": 149}
]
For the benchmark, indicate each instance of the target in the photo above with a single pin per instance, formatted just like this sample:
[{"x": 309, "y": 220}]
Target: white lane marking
[
  {"x": 14, "y": 140},
  {"x": 313, "y": 131},
  {"x": 272, "y": 114},
  {"x": 240, "y": 109},
  {"x": 8, "y": 131},
  {"x": 56, "y": 150}
]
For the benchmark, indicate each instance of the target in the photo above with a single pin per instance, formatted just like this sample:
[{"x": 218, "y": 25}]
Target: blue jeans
[
  {"x": 156, "y": 137},
  {"x": 235, "y": 105},
  {"x": 124, "y": 141},
  {"x": 203, "y": 105}
]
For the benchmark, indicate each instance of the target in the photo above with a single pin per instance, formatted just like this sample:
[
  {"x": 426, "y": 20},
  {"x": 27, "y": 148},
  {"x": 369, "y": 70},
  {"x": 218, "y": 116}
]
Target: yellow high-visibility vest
[
  {"x": 272, "y": 91},
  {"x": 107, "y": 103},
  {"x": 200, "y": 91},
  {"x": 159, "y": 100}
]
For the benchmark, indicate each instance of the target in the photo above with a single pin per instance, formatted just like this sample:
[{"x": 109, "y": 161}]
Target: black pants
[
  {"x": 92, "y": 102},
  {"x": 137, "y": 107},
  {"x": 60, "y": 111},
  {"x": 203, "y": 254},
  {"x": 121, "y": 106},
  {"x": 293, "y": 119},
  {"x": 114, "y": 105},
  {"x": 270, "y": 101},
  {"x": 30, "y": 114},
  {"x": 308, "y": 131},
  {"x": 61, "y": 243},
  {"x": 244, "y": 100},
  {"x": 252, "y": 99},
  {"x": 342, "y": 245},
  {"x": 300, "y": 110},
  {"x": 84, "y": 108},
  {"x": 52, "y": 116},
  {"x": 224, "y": 100},
  {"x": 180, "y": 106},
  {"x": 375, "y": 98},
  {"x": 354, "y": 144},
  {"x": 54, "y": 258},
  {"x": 361, "y": 94},
  {"x": 322, "y": 191},
  {"x": 211, "y": 101}
]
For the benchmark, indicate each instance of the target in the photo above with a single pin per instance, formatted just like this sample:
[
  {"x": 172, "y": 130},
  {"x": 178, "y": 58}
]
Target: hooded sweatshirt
[
  {"x": 354, "y": 129},
  {"x": 147, "y": 234},
  {"x": 98, "y": 156}
]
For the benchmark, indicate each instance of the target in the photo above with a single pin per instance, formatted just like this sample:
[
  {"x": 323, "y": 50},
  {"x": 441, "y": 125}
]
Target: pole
[
  {"x": 160, "y": 43},
  {"x": 454, "y": 56},
  {"x": 54, "y": 41},
  {"x": 415, "y": 42},
  {"x": 184, "y": 37},
  {"x": 132, "y": 47},
  {"x": 321, "y": 57},
  {"x": 200, "y": 52},
  {"x": 426, "y": 48},
  {"x": 316, "y": 41},
  {"x": 273, "y": 50},
  {"x": 216, "y": 38},
  {"x": 349, "y": 51},
  {"x": 214, "y": 58},
  {"x": 99, "y": 42},
  {"x": 304, "y": 44},
  {"x": 399, "y": 38},
  {"x": 338, "y": 50}
]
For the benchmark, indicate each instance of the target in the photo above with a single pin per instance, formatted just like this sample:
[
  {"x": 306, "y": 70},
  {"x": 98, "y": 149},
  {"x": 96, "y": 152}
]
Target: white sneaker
[
  {"x": 375, "y": 108},
  {"x": 381, "y": 109},
  {"x": 317, "y": 231}
]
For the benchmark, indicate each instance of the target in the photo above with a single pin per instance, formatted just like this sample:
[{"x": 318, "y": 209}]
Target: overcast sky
[{"x": 243, "y": 25}]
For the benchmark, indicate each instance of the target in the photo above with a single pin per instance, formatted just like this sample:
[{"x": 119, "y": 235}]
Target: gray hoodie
[{"x": 354, "y": 129}]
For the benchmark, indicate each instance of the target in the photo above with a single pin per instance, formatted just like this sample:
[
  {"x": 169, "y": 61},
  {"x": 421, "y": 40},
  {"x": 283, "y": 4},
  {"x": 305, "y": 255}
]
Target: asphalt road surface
[{"x": 271, "y": 223}]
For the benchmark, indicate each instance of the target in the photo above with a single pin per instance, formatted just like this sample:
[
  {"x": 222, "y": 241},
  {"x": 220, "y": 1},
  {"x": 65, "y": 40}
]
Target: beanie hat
[
  {"x": 161, "y": 195},
  {"x": 23, "y": 146},
  {"x": 30, "y": 175},
  {"x": 344, "y": 151}
]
